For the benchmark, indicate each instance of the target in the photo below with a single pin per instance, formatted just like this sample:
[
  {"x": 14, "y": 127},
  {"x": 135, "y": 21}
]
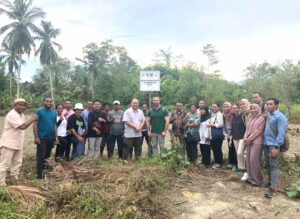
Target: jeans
[
  {"x": 78, "y": 148},
  {"x": 43, "y": 151},
  {"x": 113, "y": 139},
  {"x": 136, "y": 144},
  {"x": 105, "y": 141},
  {"x": 216, "y": 146},
  {"x": 191, "y": 150},
  {"x": 272, "y": 166},
  {"x": 157, "y": 139}
]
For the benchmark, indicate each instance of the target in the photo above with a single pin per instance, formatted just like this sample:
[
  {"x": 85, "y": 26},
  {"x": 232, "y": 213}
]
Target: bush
[{"x": 172, "y": 160}]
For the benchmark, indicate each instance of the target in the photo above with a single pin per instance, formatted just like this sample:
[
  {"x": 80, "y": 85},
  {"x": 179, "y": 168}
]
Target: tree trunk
[
  {"x": 19, "y": 74},
  {"x": 10, "y": 87},
  {"x": 51, "y": 85}
]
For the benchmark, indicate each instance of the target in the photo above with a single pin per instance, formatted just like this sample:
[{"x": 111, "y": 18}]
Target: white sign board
[{"x": 149, "y": 81}]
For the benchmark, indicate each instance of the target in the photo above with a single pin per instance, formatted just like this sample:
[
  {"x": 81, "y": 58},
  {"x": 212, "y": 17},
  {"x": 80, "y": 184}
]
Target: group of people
[{"x": 247, "y": 128}]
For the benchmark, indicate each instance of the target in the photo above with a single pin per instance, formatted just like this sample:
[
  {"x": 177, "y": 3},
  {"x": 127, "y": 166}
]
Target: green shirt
[{"x": 157, "y": 119}]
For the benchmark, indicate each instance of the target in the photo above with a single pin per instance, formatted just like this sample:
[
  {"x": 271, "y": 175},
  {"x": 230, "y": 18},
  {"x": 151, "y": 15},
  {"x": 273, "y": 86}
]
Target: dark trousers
[
  {"x": 232, "y": 158},
  {"x": 191, "y": 150},
  {"x": 113, "y": 139},
  {"x": 205, "y": 152},
  {"x": 130, "y": 144},
  {"x": 43, "y": 151},
  {"x": 68, "y": 147},
  {"x": 105, "y": 141},
  {"x": 146, "y": 137},
  {"x": 216, "y": 146},
  {"x": 61, "y": 147}
]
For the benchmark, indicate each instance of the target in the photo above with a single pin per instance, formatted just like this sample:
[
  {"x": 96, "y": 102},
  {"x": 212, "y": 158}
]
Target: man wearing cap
[
  {"x": 12, "y": 141},
  {"x": 77, "y": 128},
  {"x": 96, "y": 118},
  {"x": 116, "y": 129},
  {"x": 45, "y": 134}
]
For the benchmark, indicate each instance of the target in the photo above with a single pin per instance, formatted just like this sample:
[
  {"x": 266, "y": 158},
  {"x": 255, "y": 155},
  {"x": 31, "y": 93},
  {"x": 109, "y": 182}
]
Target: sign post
[{"x": 149, "y": 81}]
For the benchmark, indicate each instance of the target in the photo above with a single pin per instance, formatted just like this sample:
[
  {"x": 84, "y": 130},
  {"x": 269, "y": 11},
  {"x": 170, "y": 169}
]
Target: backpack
[{"x": 286, "y": 143}]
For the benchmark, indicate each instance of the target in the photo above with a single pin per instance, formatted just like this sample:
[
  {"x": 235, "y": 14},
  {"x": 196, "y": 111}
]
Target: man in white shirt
[{"x": 134, "y": 120}]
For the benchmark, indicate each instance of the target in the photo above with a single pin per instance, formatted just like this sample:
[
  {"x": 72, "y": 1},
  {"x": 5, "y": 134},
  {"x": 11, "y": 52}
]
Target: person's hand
[
  {"x": 209, "y": 125},
  {"x": 274, "y": 152},
  {"x": 34, "y": 117},
  {"x": 149, "y": 134},
  {"x": 97, "y": 132},
  {"x": 61, "y": 117},
  {"x": 163, "y": 134},
  {"x": 79, "y": 138},
  {"x": 137, "y": 129},
  {"x": 37, "y": 141},
  {"x": 113, "y": 118},
  {"x": 101, "y": 119},
  {"x": 56, "y": 142}
]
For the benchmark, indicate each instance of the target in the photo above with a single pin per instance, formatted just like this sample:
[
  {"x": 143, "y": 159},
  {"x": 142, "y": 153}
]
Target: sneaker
[
  {"x": 229, "y": 166},
  {"x": 216, "y": 166},
  {"x": 245, "y": 177},
  {"x": 270, "y": 193},
  {"x": 234, "y": 168}
]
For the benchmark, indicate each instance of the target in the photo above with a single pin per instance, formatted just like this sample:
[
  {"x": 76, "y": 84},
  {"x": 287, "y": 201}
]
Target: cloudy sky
[{"x": 244, "y": 31}]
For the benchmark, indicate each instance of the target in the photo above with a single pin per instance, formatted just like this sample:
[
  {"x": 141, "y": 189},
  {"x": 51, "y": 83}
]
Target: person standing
[
  {"x": 77, "y": 128},
  {"x": 192, "y": 134},
  {"x": 67, "y": 112},
  {"x": 115, "y": 118},
  {"x": 205, "y": 147},
  {"x": 106, "y": 131},
  {"x": 61, "y": 123},
  {"x": 177, "y": 120},
  {"x": 202, "y": 106},
  {"x": 253, "y": 140},
  {"x": 96, "y": 118},
  {"x": 134, "y": 120},
  {"x": 238, "y": 129},
  {"x": 45, "y": 134},
  {"x": 274, "y": 136},
  {"x": 232, "y": 157},
  {"x": 12, "y": 140},
  {"x": 145, "y": 131},
  {"x": 215, "y": 124},
  {"x": 257, "y": 98},
  {"x": 157, "y": 124}
]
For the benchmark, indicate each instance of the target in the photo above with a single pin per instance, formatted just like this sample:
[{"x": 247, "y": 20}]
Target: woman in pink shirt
[{"x": 253, "y": 139}]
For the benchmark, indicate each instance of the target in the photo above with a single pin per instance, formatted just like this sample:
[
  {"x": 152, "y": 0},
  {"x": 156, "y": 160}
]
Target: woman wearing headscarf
[
  {"x": 254, "y": 140},
  {"x": 215, "y": 125},
  {"x": 204, "y": 137},
  {"x": 238, "y": 128},
  {"x": 232, "y": 159},
  {"x": 245, "y": 108}
]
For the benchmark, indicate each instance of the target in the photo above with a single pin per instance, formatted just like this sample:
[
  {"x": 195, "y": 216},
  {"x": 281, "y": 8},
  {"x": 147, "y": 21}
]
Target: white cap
[
  {"x": 116, "y": 102},
  {"x": 78, "y": 106}
]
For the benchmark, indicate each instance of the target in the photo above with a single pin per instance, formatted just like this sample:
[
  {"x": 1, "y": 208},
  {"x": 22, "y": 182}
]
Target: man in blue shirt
[
  {"x": 45, "y": 134},
  {"x": 274, "y": 135}
]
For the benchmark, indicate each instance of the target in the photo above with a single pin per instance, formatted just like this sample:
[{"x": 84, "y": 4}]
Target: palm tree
[
  {"x": 11, "y": 60},
  {"x": 46, "y": 50},
  {"x": 19, "y": 35}
]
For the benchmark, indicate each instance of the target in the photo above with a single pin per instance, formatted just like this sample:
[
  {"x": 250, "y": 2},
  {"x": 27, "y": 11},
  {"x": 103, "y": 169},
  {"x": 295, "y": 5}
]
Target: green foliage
[
  {"x": 8, "y": 207},
  {"x": 172, "y": 160},
  {"x": 91, "y": 206},
  {"x": 293, "y": 191}
]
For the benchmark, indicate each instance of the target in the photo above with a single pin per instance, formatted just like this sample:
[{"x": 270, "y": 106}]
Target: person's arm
[
  {"x": 219, "y": 121},
  {"x": 79, "y": 138},
  {"x": 148, "y": 124},
  {"x": 281, "y": 125},
  {"x": 55, "y": 134},
  {"x": 258, "y": 131},
  {"x": 28, "y": 122}
]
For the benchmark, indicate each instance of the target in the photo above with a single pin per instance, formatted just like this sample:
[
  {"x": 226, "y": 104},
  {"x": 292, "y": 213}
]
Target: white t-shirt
[
  {"x": 135, "y": 117},
  {"x": 62, "y": 128}
]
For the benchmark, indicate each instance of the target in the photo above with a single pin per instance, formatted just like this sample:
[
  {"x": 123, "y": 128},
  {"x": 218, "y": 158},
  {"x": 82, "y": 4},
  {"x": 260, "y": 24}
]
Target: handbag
[
  {"x": 193, "y": 137},
  {"x": 217, "y": 133}
]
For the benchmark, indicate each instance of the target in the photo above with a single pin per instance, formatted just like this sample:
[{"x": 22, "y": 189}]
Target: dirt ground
[{"x": 203, "y": 193}]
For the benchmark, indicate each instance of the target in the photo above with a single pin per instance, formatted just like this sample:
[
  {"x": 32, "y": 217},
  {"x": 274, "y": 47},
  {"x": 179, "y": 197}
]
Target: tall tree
[
  {"x": 46, "y": 50},
  {"x": 210, "y": 52},
  {"x": 19, "y": 35}
]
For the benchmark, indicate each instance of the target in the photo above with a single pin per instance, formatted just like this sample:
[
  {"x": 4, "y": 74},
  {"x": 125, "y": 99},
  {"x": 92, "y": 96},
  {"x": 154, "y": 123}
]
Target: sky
[{"x": 243, "y": 31}]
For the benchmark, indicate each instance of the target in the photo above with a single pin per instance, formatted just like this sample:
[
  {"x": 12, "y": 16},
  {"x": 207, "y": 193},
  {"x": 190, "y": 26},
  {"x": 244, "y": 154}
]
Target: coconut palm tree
[
  {"x": 19, "y": 31},
  {"x": 46, "y": 50}
]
